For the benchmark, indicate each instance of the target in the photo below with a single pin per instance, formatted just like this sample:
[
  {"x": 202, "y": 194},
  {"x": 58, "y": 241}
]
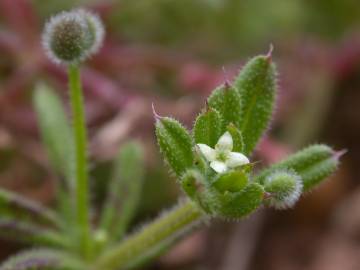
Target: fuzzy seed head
[
  {"x": 71, "y": 37},
  {"x": 284, "y": 189}
]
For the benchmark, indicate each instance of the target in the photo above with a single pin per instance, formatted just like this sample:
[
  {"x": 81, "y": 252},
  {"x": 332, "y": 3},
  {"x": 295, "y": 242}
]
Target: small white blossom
[{"x": 222, "y": 158}]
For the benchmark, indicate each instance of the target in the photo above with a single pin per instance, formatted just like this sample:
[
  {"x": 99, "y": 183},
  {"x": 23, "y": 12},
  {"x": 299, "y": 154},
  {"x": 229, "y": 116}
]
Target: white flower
[{"x": 221, "y": 158}]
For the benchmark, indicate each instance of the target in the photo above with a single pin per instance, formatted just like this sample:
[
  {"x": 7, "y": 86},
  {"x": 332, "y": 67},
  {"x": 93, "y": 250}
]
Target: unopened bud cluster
[
  {"x": 73, "y": 36},
  {"x": 284, "y": 189}
]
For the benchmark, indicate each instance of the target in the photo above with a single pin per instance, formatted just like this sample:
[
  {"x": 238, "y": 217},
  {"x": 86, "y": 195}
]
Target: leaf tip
[
  {"x": 338, "y": 154},
  {"x": 227, "y": 83},
  {"x": 268, "y": 56},
  {"x": 157, "y": 117}
]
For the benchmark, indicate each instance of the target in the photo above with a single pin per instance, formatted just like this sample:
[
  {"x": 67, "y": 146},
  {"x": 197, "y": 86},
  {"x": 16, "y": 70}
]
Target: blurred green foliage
[{"x": 228, "y": 27}]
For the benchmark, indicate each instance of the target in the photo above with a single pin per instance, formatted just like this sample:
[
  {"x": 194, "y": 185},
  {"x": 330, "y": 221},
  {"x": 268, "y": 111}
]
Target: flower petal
[
  {"x": 236, "y": 159},
  {"x": 225, "y": 143},
  {"x": 218, "y": 166},
  {"x": 207, "y": 151}
]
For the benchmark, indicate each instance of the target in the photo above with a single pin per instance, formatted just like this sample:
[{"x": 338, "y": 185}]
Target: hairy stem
[
  {"x": 140, "y": 244},
  {"x": 80, "y": 137}
]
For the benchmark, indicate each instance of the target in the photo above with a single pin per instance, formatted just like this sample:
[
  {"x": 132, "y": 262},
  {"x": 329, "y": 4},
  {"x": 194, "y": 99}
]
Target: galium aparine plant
[{"x": 213, "y": 164}]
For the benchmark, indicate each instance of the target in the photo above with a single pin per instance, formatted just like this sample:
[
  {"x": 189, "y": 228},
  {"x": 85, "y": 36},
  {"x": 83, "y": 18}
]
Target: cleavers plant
[{"x": 212, "y": 164}]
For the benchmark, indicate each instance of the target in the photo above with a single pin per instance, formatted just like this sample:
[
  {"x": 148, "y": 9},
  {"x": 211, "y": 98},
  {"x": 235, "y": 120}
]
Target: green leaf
[
  {"x": 42, "y": 259},
  {"x": 226, "y": 100},
  {"x": 175, "y": 144},
  {"x": 208, "y": 127},
  {"x": 256, "y": 85},
  {"x": 55, "y": 131},
  {"x": 232, "y": 181},
  {"x": 313, "y": 164},
  {"x": 25, "y": 232},
  {"x": 15, "y": 206},
  {"x": 235, "y": 205},
  {"x": 124, "y": 190}
]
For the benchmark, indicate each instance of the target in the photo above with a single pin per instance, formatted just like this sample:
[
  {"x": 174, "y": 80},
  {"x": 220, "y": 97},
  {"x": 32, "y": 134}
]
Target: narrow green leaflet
[
  {"x": 56, "y": 131},
  {"x": 124, "y": 190},
  {"x": 175, "y": 143},
  {"x": 313, "y": 164},
  {"x": 42, "y": 259},
  {"x": 256, "y": 85},
  {"x": 15, "y": 206},
  {"x": 20, "y": 231}
]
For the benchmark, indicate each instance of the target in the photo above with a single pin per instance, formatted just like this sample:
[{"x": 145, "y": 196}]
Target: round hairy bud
[
  {"x": 71, "y": 37},
  {"x": 284, "y": 189}
]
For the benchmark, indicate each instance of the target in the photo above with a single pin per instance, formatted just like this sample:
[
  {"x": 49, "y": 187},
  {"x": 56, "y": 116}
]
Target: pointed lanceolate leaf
[
  {"x": 56, "y": 131},
  {"x": 226, "y": 100},
  {"x": 313, "y": 164},
  {"x": 256, "y": 85},
  {"x": 124, "y": 190},
  {"x": 58, "y": 139},
  {"x": 15, "y": 206},
  {"x": 175, "y": 144},
  {"x": 208, "y": 127},
  {"x": 42, "y": 259}
]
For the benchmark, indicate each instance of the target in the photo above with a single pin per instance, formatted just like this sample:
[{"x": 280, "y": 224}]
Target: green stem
[
  {"x": 80, "y": 137},
  {"x": 142, "y": 243}
]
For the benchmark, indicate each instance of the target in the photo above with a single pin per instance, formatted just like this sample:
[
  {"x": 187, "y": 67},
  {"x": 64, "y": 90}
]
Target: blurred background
[{"x": 173, "y": 53}]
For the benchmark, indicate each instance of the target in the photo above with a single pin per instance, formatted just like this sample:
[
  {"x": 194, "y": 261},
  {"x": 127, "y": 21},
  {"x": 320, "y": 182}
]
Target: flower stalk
[
  {"x": 169, "y": 225},
  {"x": 80, "y": 137}
]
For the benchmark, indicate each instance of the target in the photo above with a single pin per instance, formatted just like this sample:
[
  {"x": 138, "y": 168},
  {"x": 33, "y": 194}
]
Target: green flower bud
[
  {"x": 284, "y": 189},
  {"x": 71, "y": 37}
]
